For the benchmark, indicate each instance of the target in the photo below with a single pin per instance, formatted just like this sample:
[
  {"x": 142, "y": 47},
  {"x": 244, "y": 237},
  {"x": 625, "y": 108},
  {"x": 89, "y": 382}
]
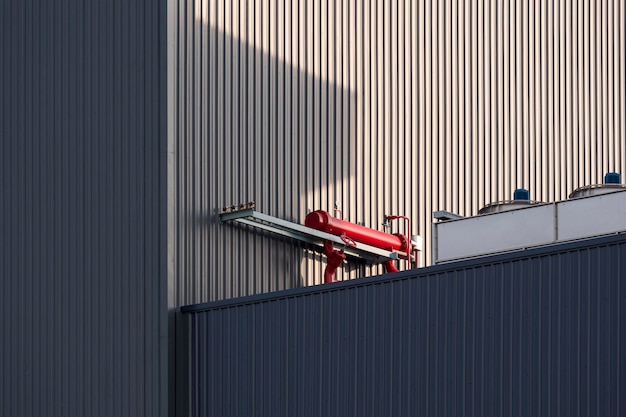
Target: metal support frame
[
  {"x": 367, "y": 253},
  {"x": 444, "y": 215}
]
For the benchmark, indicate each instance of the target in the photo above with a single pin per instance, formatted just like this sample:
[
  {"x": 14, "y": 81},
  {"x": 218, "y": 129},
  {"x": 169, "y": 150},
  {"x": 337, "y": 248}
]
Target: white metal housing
[{"x": 527, "y": 227}]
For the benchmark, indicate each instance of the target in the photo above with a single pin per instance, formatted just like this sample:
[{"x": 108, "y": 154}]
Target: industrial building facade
[
  {"x": 535, "y": 332},
  {"x": 126, "y": 126},
  {"x": 384, "y": 107}
]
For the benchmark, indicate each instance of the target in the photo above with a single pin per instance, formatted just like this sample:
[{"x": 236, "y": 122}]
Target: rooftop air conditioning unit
[
  {"x": 521, "y": 199},
  {"x": 612, "y": 183},
  {"x": 519, "y": 224}
]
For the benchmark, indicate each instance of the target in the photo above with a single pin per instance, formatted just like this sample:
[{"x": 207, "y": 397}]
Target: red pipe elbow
[{"x": 335, "y": 259}]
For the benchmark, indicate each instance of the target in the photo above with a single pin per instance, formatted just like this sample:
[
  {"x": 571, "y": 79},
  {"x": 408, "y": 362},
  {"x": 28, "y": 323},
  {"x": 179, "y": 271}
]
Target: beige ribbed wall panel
[{"x": 385, "y": 107}]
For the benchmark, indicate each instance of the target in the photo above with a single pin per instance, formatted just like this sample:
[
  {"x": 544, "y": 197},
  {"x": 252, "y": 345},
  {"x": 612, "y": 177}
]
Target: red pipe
[
  {"x": 322, "y": 220},
  {"x": 409, "y": 247},
  {"x": 335, "y": 259},
  {"x": 390, "y": 266}
]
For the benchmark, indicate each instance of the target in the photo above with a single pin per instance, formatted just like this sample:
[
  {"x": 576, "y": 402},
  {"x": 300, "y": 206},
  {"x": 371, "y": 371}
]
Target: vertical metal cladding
[
  {"x": 82, "y": 287},
  {"x": 539, "y": 332},
  {"x": 387, "y": 107}
]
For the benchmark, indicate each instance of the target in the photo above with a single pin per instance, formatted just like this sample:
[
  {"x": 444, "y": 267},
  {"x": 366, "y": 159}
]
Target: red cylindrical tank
[{"x": 322, "y": 220}]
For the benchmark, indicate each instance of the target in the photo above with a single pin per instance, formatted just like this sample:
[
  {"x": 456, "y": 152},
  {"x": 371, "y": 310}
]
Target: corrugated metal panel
[
  {"x": 387, "y": 107},
  {"x": 539, "y": 332},
  {"x": 81, "y": 285}
]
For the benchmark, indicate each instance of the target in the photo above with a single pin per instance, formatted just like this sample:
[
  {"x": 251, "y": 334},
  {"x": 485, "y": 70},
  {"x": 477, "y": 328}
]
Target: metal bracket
[
  {"x": 369, "y": 254},
  {"x": 443, "y": 215}
]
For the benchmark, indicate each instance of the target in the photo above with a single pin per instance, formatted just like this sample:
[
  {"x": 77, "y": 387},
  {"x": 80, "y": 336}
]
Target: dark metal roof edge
[{"x": 415, "y": 273}]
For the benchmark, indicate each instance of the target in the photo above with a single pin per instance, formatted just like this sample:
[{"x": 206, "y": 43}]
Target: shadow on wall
[{"x": 256, "y": 125}]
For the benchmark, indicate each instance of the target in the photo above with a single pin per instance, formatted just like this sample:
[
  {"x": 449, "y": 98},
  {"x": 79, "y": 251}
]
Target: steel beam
[{"x": 370, "y": 254}]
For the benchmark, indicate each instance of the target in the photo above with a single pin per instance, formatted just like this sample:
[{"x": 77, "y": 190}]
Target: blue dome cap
[
  {"x": 612, "y": 178},
  {"x": 521, "y": 194}
]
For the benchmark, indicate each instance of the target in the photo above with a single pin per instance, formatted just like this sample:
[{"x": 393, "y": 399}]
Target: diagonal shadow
[{"x": 252, "y": 126}]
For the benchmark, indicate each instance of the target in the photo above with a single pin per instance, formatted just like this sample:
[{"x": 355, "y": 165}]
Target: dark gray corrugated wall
[
  {"x": 83, "y": 291},
  {"x": 541, "y": 332},
  {"x": 389, "y": 107}
]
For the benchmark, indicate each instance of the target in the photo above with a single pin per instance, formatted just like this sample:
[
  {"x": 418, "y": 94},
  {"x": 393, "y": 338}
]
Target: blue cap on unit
[
  {"x": 521, "y": 194},
  {"x": 612, "y": 178}
]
